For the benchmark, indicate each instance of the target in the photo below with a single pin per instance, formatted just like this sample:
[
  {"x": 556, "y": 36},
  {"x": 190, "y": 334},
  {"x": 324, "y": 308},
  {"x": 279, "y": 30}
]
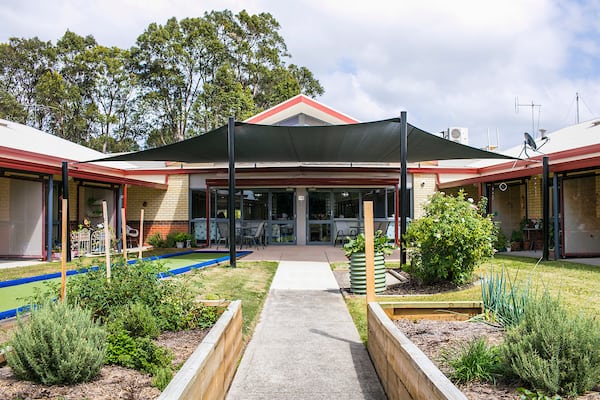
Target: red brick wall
[{"x": 162, "y": 227}]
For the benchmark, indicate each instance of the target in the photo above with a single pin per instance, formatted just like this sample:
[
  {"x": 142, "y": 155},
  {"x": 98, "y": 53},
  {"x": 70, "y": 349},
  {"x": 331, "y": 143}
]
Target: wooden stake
[
  {"x": 369, "y": 251},
  {"x": 63, "y": 256},
  {"x": 106, "y": 239},
  {"x": 141, "y": 237},
  {"x": 124, "y": 234}
]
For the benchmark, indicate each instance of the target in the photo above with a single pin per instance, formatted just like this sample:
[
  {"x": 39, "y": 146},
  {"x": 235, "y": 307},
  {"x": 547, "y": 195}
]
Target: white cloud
[{"x": 449, "y": 63}]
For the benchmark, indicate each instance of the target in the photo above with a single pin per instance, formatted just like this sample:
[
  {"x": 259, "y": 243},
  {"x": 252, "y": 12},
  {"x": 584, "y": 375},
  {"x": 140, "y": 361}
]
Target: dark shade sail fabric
[{"x": 377, "y": 141}]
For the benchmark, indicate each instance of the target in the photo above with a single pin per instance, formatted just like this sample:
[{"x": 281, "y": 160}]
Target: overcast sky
[{"x": 447, "y": 63}]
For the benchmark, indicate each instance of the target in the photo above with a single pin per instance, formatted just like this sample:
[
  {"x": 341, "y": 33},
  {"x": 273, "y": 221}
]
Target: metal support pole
[
  {"x": 403, "y": 188},
  {"x": 546, "y": 206},
  {"x": 120, "y": 205},
  {"x": 65, "y": 195},
  {"x": 49, "y": 212},
  {"x": 231, "y": 204},
  {"x": 556, "y": 219}
]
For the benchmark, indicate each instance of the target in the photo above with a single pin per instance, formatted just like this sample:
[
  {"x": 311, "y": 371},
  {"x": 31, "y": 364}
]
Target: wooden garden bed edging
[
  {"x": 433, "y": 310},
  {"x": 404, "y": 370},
  {"x": 209, "y": 371}
]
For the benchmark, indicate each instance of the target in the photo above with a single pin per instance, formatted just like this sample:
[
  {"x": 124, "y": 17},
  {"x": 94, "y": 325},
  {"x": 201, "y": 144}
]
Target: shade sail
[{"x": 377, "y": 141}]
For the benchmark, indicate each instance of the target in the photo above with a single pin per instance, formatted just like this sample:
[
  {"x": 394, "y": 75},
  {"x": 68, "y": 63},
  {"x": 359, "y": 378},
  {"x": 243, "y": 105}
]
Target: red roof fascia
[{"x": 297, "y": 100}]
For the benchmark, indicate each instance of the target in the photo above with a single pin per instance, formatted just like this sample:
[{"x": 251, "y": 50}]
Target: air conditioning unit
[{"x": 459, "y": 135}]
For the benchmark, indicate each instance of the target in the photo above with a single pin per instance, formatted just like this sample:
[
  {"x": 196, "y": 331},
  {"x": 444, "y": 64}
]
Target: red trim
[{"x": 297, "y": 100}]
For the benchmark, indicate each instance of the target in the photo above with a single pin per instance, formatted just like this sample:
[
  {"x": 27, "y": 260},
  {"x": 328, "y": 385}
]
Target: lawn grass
[
  {"x": 575, "y": 284},
  {"x": 249, "y": 282}
]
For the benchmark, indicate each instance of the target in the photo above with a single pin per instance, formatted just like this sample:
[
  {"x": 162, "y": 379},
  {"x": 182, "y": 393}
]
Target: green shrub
[
  {"x": 381, "y": 244},
  {"x": 503, "y": 298},
  {"x": 59, "y": 345},
  {"x": 136, "y": 283},
  {"x": 136, "y": 319},
  {"x": 138, "y": 353},
  {"x": 473, "y": 361},
  {"x": 162, "y": 377},
  {"x": 156, "y": 241},
  {"x": 178, "y": 310},
  {"x": 501, "y": 242},
  {"x": 451, "y": 239},
  {"x": 554, "y": 351}
]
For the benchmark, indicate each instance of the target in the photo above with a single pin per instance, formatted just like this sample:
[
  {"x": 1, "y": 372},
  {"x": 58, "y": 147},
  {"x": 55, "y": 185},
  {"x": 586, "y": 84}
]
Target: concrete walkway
[{"x": 306, "y": 345}]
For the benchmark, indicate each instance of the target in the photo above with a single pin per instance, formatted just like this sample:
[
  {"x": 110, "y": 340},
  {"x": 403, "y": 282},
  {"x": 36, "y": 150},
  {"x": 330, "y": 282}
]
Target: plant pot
[
  {"x": 358, "y": 273},
  {"x": 515, "y": 246},
  {"x": 179, "y": 245}
]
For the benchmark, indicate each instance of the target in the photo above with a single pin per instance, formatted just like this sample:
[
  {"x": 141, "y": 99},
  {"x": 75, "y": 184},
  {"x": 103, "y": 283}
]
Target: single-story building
[{"x": 295, "y": 203}]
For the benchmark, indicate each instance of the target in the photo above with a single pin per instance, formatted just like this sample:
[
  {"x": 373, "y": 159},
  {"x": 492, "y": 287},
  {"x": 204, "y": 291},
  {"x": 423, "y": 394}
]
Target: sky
[{"x": 498, "y": 68}]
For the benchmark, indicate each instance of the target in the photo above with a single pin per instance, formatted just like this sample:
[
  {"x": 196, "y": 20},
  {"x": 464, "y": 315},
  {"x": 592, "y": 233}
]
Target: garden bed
[{"x": 114, "y": 382}]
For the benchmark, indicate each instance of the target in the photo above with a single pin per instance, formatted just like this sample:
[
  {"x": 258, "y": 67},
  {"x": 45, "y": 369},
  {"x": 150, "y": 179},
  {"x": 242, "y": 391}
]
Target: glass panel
[
  {"x": 391, "y": 202},
  {"x": 255, "y": 205},
  {"x": 199, "y": 204},
  {"x": 346, "y": 204},
  {"x": 319, "y": 205},
  {"x": 283, "y": 224},
  {"x": 581, "y": 215},
  {"x": 378, "y": 197},
  {"x": 219, "y": 204},
  {"x": 319, "y": 232}
]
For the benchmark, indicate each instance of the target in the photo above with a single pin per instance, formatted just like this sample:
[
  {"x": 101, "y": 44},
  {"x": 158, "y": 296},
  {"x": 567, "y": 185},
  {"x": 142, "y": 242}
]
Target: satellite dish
[{"x": 529, "y": 140}]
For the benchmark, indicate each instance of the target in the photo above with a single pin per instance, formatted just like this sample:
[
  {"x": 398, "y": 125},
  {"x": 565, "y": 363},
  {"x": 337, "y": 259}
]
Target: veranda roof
[{"x": 377, "y": 141}]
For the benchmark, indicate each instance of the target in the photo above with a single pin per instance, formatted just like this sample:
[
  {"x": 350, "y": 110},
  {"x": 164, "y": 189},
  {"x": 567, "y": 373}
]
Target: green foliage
[
  {"x": 157, "y": 241},
  {"x": 136, "y": 352},
  {"x": 516, "y": 236},
  {"x": 501, "y": 241},
  {"x": 381, "y": 244},
  {"x": 473, "y": 361},
  {"x": 59, "y": 345},
  {"x": 162, "y": 377},
  {"x": 525, "y": 394},
  {"x": 136, "y": 319},
  {"x": 451, "y": 239},
  {"x": 136, "y": 283},
  {"x": 554, "y": 351},
  {"x": 506, "y": 300}
]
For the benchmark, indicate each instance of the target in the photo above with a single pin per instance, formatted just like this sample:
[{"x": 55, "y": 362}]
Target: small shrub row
[
  {"x": 551, "y": 350},
  {"x": 63, "y": 344}
]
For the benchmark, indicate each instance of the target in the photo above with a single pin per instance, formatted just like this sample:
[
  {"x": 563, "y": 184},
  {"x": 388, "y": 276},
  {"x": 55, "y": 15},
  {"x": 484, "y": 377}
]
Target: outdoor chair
[
  {"x": 223, "y": 233},
  {"x": 97, "y": 242},
  {"x": 81, "y": 242},
  {"x": 255, "y": 237},
  {"x": 132, "y": 235},
  {"x": 342, "y": 231}
]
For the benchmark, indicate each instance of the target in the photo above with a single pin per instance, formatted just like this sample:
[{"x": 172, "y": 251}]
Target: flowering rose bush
[{"x": 453, "y": 237}]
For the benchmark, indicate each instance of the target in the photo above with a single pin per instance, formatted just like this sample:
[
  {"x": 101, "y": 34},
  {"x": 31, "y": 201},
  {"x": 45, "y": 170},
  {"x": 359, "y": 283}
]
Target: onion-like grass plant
[{"x": 504, "y": 298}]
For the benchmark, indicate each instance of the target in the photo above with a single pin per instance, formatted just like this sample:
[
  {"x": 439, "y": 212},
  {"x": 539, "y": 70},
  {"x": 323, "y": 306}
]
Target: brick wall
[
  {"x": 161, "y": 205},
  {"x": 4, "y": 199},
  {"x": 534, "y": 197},
  {"x": 424, "y": 186}
]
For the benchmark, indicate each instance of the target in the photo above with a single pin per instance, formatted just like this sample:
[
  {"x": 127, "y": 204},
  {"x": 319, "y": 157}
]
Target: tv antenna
[{"x": 533, "y": 106}]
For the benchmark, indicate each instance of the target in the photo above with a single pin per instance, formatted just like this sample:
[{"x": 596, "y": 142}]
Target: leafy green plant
[
  {"x": 554, "y": 351},
  {"x": 156, "y": 241},
  {"x": 473, "y": 361},
  {"x": 501, "y": 242},
  {"x": 136, "y": 319},
  {"x": 59, "y": 345},
  {"x": 162, "y": 377},
  {"x": 381, "y": 244},
  {"x": 136, "y": 352},
  {"x": 451, "y": 239},
  {"x": 504, "y": 299},
  {"x": 525, "y": 394}
]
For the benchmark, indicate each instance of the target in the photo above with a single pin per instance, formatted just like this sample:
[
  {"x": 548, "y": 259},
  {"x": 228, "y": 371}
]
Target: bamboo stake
[
  {"x": 124, "y": 234},
  {"x": 106, "y": 239},
  {"x": 141, "y": 237},
  {"x": 369, "y": 251},
  {"x": 63, "y": 257}
]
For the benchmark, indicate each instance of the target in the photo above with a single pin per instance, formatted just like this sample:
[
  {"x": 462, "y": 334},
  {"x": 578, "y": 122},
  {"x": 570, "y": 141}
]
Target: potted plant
[
  {"x": 515, "y": 240},
  {"x": 355, "y": 251},
  {"x": 182, "y": 239}
]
